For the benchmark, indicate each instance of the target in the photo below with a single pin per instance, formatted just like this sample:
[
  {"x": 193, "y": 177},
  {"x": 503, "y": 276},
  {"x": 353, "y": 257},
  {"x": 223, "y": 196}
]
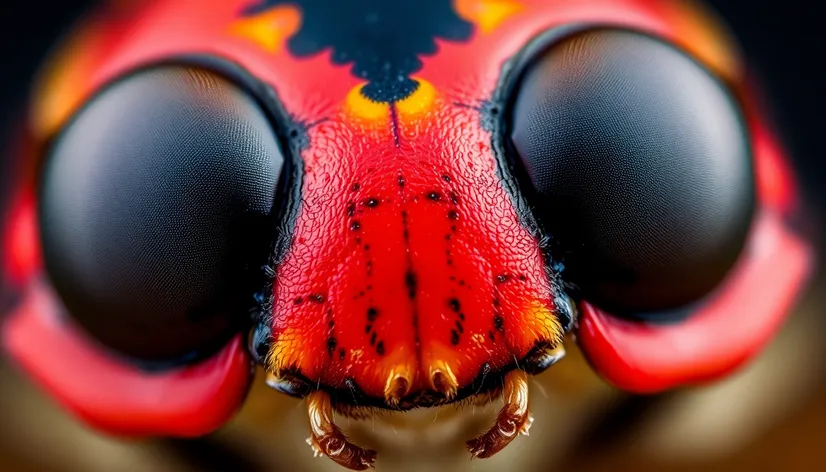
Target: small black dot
[
  {"x": 380, "y": 348},
  {"x": 502, "y": 278},
  {"x": 355, "y": 187},
  {"x": 453, "y": 215},
  {"x": 367, "y": 329},
  {"x": 448, "y": 237},
  {"x": 372, "y": 314},
  {"x": 435, "y": 196},
  {"x": 331, "y": 323},
  {"x": 499, "y": 323},
  {"x": 373, "y": 339},
  {"x": 522, "y": 278},
  {"x": 293, "y": 133},
  {"x": 462, "y": 316},
  {"x": 446, "y": 178},
  {"x": 372, "y": 202},
  {"x": 331, "y": 345},
  {"x": 351, "y": 209},
  {"x": 454, "y": 304},
  {"x": 355, "y": 226},
  {"x": 491, "y": 336},
  {"x": 459, "y": 327},
  {"x": 496, "y": 302},
  {"x": 299, "y": 301},
  {"x": 450, "y": 262},
  {"x": 461, "y": 283},
  {"x": 454, "y": 337},
  {"x": 341, "y": 353},
  {"x": 454, "y": 198},
  {"x": 412, "y": 283},
  {"x": 317, "y": 298},
  {"x": 401, "y": 181}
]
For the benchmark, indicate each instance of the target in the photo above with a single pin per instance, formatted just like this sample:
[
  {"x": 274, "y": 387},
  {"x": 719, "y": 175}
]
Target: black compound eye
[
  {"x": 155, "y": 211},
  {"x": 639, "y": 166}
]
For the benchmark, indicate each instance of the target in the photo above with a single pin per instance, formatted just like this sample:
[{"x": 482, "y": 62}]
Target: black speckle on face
[
  {"x": 299, "y": 301},
  {"x": 351, "y": 209},
  {"x": 317, "y": 298},
  {"x": 381, "y": 39},
  {"x": 454, "y": 304},
  {"x": 434, "y": 196},
  {"x": 331, "y": 345},
  {"x": 380, "y": 348},
  {"x": 371, "y": 202},
  {"x": 454, "y": 337},
  {"x": 355, "y": 187},
  {"x": 499, "y": 323},
  {"x": 411, "y": 283},
  {"x": 355, "y": 226},
  {"x": 372, "y": 314},
  {"x": 453, "y": 215}
]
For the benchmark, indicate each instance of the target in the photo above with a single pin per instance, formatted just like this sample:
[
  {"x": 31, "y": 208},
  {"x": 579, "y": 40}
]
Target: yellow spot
[
  {"x": 443, "y": 380},
  {"x": 269, "y": 29},
  {"x": 421, "y": 101},
  {"x": 362, "y": 107},
  {"x": 487, "y": 14},
  {"x": 546, "y": 321}
]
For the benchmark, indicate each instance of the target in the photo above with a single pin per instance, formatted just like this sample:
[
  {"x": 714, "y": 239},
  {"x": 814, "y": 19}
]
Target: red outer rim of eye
[
  {"x": 114, "y": 396},
  {"x": 724, "y": 334}
]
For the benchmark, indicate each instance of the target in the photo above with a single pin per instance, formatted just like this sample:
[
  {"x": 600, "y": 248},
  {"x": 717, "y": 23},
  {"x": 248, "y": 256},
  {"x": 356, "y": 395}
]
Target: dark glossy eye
[
  {"x": 155, "y": 205},
  {"x": 638, "y": 163}
]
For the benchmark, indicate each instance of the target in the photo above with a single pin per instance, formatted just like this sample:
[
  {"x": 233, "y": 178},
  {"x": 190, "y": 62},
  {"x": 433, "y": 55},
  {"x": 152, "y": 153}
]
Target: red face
[{"x": 447, "y": 182}]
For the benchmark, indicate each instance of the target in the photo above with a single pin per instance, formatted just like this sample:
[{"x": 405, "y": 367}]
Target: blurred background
[{"x": 770, "y": 416}]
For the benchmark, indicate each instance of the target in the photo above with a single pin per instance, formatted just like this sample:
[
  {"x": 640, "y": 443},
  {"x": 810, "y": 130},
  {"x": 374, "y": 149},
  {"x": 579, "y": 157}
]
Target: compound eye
[
  {"x": 638, "y": 164},
  {"x": 155, "y": 207}
]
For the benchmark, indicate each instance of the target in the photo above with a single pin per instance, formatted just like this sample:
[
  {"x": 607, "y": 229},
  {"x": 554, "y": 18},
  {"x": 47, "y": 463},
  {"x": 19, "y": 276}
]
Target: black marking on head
[
  {"x": 351, "y": 209},
  {"x": 435, "y": 196},
  {"x": 462, "y": 316},
  {"x": 355, "y": 225},
  {"x": 446, "y": 178},
  {"x": 453, "y": 215},
  {"x": 499, "y": 323},
  {"x": 372, "y": 202},
  {"x": 502, "y": 278},
  {"x": 317, "y": 298},
  {"x": 491, "y": 336},
  {"x": 411, "y": 283},
  {"x": 368, "y": 328},
  {"x": 454, "y": 337},
  {"x": 454, "y": 304},
  {"x": 459, "y": 327},
  {"x": 331, "y": 345},
  {"x": 400, "y": 180},
  {"x": 372, "y": 314},
  {"x": 341, "y": 353},
  {"x": 373, "y": 339},
  {"x": 355, "y": 187},
  {"x": 383, "y": 40},
  {"x": 454, "y": 198},
  {"x": 299, "y": 301},
  {"x": 380, "y": 348}
]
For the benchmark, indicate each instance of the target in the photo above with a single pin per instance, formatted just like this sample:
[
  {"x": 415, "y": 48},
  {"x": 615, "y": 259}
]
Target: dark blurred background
[{"x": 782, "y": 425}]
